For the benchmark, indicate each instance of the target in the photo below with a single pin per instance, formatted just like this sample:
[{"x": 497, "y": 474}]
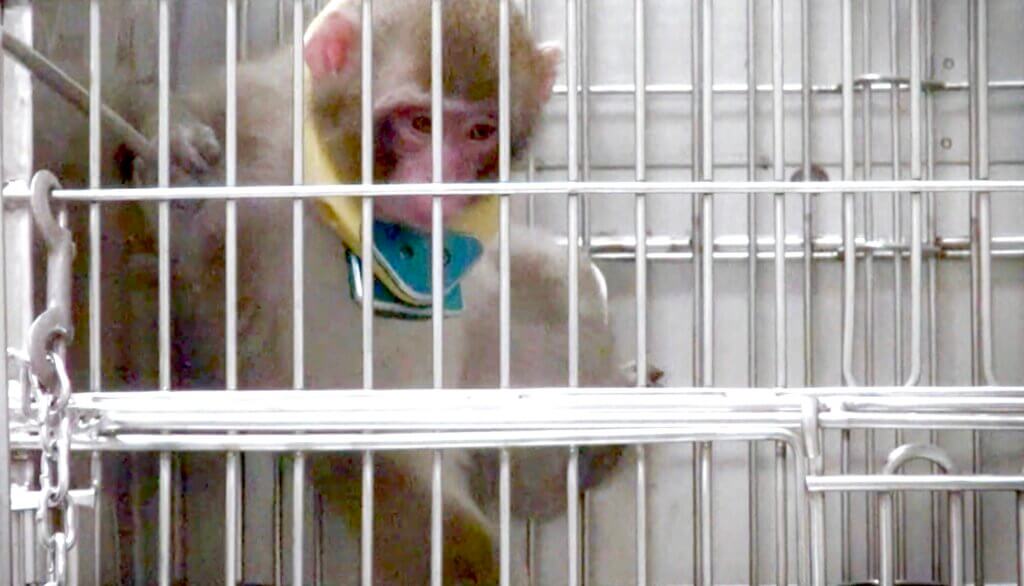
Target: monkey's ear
[
  {"x": 330, "y": 43},
  {"x": 550, "y": 58}
]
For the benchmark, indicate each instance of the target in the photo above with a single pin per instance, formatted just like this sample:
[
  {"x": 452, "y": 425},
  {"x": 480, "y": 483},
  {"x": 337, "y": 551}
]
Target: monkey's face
[
  {"x": 402, "y": 76},
  {"x": 405, "y": 155}
]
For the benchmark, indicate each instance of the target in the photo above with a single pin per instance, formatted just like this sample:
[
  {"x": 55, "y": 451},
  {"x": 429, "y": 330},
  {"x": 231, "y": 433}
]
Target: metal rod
[
  {"x": 1020, "y": 537},
  {"x": 232, "y": 473},
  {"x": 753, "y": 470},
  {"x": 640, "y": 229},
  {"x": 781, "y": 525},
  {"x": 887, "y": 572},
  {"x": 867, "y": 119},
  {"x": 933, "y": 436},
  {"x": 163, "y": 150},
  {"x": 366, "y": 527},
  {"x": 849, "y": 262},
  {"x": 956, "y": 539},
  {"x": 95, "y": 304},
  {"x": 367, "y": 257},
  {"x": 583, "y": 18},
  {"x": 8, "y": 558},
  {"x": 984, "y": 198},
  {"x": 572, "y": 514},
  {"x": 808, "y": 199},
  {"x": 298, "y": 517},
  {"x": 504, "y": 310},
  {"x": 641, "y": 515},
  {"x": 505, "y": 521},
  {"x": 573, "y": 204},
  {"x": 437, "y": 223},
  {"x": 298, "y": 304},
  {"x": 531, "y": 160},
  {"x": 436, "y": 516}
]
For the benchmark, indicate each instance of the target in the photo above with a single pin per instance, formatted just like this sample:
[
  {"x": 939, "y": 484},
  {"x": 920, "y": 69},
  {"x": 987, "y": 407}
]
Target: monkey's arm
[{"x": 539, "y": 358}]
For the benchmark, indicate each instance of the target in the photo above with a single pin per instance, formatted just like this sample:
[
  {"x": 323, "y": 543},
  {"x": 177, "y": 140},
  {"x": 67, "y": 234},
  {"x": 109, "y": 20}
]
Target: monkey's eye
[
  {"x": 482, "y": 131},
  {"x": 421, "y": 123}
]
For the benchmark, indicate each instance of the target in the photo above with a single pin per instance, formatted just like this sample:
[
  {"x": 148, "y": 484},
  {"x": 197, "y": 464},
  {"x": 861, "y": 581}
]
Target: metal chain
[{"x": 46, "y": 387}]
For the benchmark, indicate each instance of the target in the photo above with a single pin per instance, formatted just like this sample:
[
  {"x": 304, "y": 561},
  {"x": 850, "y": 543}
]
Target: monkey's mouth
[{"x": 416, "y": 211}]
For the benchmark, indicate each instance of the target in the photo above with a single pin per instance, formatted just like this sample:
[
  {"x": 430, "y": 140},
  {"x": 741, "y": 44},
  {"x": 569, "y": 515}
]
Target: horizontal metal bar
[
  {"x": 930, "y": 421},
  {"x": 827, "y": 247},
  {"x": 426, "y": 440},
  {"x": 902, "y": 482},
  {"x": 28, "y": 500},
  {"x": 873, "y": 82},
  {"x": 621, "y": 188}
]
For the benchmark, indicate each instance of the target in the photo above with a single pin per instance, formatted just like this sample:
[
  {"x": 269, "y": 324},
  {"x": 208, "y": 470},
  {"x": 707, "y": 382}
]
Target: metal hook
[{"x": 43, "y": 184}]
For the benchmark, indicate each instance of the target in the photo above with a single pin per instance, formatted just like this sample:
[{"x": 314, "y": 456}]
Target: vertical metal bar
[
  {"x": 505, "y": 301},
  {"x": 298, "y": 517},
  {"x": 436, "y": 531},
  {"x": 778, "y": 173},
  {"x": 915, "y": 199},
  {"x": 640, "y": 210},
  {"x": 436, "y": 268},
  {"x": 95, "y": 234},
  {"x": 298, "y": 306},
  {"x": 887, "y": 571},
  {"x": 849, "y": 244},
  {"x": 956, "y": 539},
  {"x": 367, "y": 159},
  {"x": 933, "y": 436},
  {"x": 753, "y": 471},
  {"x": 808, "y": 199},
  {"x": 573, "y": 204},
  {"x": 707, "y": 284},
  {"x": 1020, "y": 537},
  {"x": 7, "y": 558},
  {"x": 583, "y": 16},
  {"x": 573, "y": 514},
  {"x": 871, "y": 500},
  {"x": 505, "y": 521},
  {"x": 232, "y": 486},
  {"x": 164, "y": 245},
  {"x": 531, "y": 160},
  {"x": 984, "y": 198},
  {"x": 781, "y": 525},
  {"x": 974, "y": 44}
]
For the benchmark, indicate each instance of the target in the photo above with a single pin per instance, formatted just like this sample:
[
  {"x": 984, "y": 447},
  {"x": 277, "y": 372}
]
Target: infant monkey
[{"x": 332, "y": 325}]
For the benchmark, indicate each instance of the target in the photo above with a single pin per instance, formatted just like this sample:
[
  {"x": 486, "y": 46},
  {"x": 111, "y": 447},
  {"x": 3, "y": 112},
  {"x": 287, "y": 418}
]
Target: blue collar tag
[{"x": 405, "y": 256}]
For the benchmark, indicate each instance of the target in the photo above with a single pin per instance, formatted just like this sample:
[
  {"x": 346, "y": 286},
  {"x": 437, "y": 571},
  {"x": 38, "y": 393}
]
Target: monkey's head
[{"x": 402, "y": 89}]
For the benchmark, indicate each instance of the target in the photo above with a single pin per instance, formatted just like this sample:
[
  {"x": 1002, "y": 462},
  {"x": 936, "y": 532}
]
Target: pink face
[{"x": 469, "y": 152}]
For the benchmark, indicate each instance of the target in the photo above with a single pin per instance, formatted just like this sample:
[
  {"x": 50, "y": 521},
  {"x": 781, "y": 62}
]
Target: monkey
[{"x": 331, "y": 329}]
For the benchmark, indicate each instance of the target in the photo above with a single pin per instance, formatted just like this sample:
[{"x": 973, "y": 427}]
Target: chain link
[{"x": 46, "y": 387}]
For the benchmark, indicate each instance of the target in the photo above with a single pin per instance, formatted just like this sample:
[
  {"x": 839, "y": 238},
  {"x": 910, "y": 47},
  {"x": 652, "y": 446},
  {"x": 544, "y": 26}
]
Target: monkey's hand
[{"x": 195, "y": 156}]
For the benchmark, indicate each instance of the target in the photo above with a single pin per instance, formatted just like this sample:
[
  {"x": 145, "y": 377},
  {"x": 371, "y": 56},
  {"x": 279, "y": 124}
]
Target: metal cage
[{"x": 808, "y": 213}]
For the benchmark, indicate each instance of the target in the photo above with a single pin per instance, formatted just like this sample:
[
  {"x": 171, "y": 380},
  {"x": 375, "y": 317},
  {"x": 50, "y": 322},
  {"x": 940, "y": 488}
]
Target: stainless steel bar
[
  {"x": 753, "y": 470},
  {"x": 933, "y": 436},
  {"x": 915, "y": 198},
  {"x": 779, "y": 222},
  {"x": 887, "y": 571},
  {"x": 298, "y": 517},
  {"x": 164, "y": 227},
  {"x": 573, "y": 204},
  {"x": 875, "y": 81},
  {"x": 437, "y": 224},
  {"x": 298, "y": 289},
  {"x": 232, "y": 552},
  {"x": 611, "y": 188},
  {"x": 956, "y": 539},
  {"x": 572, "y": 515},
  {"x": 436, "y": 515},
  {"x": 505, "y": 261},
  {"x": 808, "y": 199},
  {"x": 984, "y": 199},
  {"x": 367, "y": 159},
  {"x": 583, "y": 17},
  {"x": 298, "y": 158},
  {"x": 505, "y": 520},
  {"x": 366, "y": 526},
  {"x": 706, "y": 513},
  {"x": 707, "y": 174},
  {"x": 879, "y": 483},
  {"x": 95, "y": 305},
  {"x": 781, "y": 525},
  {"x": 8, "y": 558},
  {"x": 436, "y": 273},
  {"x": 978, "y": 362},
  {"x": 641, "y": 515},
  {"x": 1020, "y": 537},
  {"x": 640, "y": 229},
  {"x": 849, "y": 260},
  {"x": 531, "y": 160}
]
